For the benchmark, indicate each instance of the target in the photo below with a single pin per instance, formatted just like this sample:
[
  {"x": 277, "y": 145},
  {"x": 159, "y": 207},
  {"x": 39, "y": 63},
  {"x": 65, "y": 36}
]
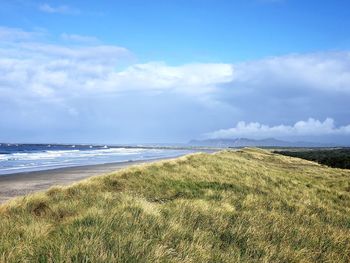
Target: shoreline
[{"x": 23, "y": 183}]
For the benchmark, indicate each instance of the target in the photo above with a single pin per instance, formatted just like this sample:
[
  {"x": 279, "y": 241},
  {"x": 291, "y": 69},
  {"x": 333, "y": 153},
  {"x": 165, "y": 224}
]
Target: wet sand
[{"x": 20, "y": 184}]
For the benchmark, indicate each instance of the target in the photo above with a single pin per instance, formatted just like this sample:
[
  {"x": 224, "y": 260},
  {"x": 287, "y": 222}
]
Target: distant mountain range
[{"x": 244, "y": 142}]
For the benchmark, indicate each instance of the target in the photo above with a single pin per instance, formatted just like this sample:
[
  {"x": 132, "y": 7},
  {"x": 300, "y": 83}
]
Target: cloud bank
[
  {"x": 317, "y": 72},
  {"x": 301, "y": 128},
  {"x": 58, "y": 72},
  {"x": 79, "y": 83}
]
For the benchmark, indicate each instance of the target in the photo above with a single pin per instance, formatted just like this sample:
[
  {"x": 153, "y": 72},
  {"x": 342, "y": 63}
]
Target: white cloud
[
  {"x": 79, "y": 38},
  {"x": 319, "y": 71},
  {"x": 91, "y": 67},
  {"x": 62, "y": 9},
  {"x": 15, "y": 34},
  {"x": 58, "y": 73},
  {"x": 67, "y": 76},
  {"x": 310, "y": 127},
  {"x": 188, "y": 79}
]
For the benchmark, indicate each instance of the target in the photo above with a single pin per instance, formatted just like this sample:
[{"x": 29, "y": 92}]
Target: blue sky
[
  {"x": 169, "y": 71},
  {"x": 183, "y": 31}
]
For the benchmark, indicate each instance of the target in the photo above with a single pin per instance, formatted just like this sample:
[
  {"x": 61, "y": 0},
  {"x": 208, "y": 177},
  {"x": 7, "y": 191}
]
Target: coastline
[{"x": 23, "y": 183}]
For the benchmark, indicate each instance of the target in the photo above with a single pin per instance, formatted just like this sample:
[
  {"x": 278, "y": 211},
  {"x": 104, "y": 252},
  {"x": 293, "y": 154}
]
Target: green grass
[{"x": 243, "y": 206}]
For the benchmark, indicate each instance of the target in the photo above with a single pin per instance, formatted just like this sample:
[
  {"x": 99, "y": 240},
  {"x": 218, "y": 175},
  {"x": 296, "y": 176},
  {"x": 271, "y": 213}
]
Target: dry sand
[{"x": 28, "y": 182}]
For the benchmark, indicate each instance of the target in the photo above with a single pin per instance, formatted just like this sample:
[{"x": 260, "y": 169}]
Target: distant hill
[{"x": 245, "y": 142}]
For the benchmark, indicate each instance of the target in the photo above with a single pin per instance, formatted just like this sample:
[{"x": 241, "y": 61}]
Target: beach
[{"x": 20, "y": 184}]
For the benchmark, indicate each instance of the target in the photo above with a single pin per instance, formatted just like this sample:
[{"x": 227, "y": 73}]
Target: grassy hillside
[{"x": 245, "y": 206}]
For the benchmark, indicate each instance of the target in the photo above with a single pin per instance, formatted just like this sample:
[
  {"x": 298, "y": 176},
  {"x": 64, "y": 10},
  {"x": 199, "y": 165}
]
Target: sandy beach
[{"x": 20, "y": 184}]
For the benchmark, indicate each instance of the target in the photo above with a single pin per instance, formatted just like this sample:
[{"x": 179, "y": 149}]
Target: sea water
[{"x": 15, "y": 158}]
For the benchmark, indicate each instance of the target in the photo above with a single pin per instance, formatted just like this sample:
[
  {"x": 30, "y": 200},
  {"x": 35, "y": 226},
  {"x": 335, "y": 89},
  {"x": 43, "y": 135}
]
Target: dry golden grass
[{"x": 242, "y": 206}]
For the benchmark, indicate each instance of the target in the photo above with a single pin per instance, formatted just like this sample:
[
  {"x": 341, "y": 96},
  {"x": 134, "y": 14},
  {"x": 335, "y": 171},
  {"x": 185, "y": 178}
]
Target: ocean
[{"x": 15, "y": 158}]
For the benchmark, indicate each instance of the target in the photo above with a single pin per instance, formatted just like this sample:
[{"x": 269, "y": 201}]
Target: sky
[{"x": 161, "y": 71}]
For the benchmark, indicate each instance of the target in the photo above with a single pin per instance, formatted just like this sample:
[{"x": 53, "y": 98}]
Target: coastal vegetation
[
  {"x": 337, "y": 158},
  {"x": 247, "y": 205}
]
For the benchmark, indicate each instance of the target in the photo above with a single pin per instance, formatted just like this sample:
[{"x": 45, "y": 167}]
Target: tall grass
[{"x": 243, "y": 206}]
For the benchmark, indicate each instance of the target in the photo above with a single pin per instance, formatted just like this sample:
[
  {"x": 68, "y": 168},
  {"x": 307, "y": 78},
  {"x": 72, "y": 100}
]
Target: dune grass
[{"x": 232, "y": 206}]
